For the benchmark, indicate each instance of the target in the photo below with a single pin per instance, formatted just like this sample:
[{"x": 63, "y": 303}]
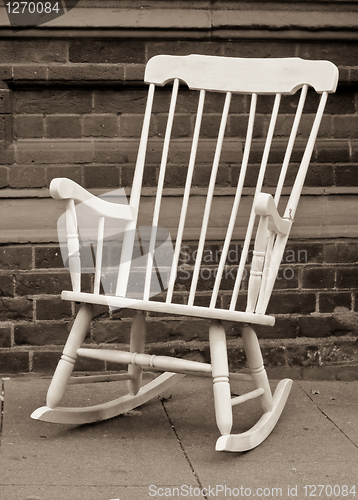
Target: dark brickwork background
[{"x": 66, "y": 107}]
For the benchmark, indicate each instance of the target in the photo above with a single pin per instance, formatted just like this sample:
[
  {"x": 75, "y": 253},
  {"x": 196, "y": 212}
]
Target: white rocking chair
[{"x": 206, "y": 74}]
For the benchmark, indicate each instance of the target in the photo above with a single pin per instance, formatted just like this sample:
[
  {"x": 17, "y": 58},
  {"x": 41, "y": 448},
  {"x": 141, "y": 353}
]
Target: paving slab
[
  {"x": 339, "y": 402},
  {"x": 166, "y": 448},
  {"x": 124, "y": 454},
  {"x": 305, "y": 448}
]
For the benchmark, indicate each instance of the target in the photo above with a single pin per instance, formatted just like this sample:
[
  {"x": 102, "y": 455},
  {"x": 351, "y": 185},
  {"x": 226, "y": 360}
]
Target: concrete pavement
[{"x": 166, "y": 448}]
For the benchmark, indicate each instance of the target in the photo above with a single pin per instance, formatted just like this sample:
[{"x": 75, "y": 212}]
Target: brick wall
[{"x": 71, "y": 104}]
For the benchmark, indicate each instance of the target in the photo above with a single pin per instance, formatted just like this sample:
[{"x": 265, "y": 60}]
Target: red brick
[
  {"x": 54, "y": 151},
  {"x": 29, "y": 72},
  {"x": 14, "y": 362},
  {"x": 6, "y": 132},
  {"x": 346, "y": 175},
  {"x": 15, "y": 309},
  {"x": 292, "y": 303},
  {"x": 27, "y": 177},
  {"x": 6, "y": 285},
  {"x": 7, "y": 153},
  {"x": 122, "y": 101},
  {"x": 5, "y": 101},
  {"x": 344, "y": 323},
  {"x": 287, "y": 277},
  {"x": 53, "y": 101},
  {"x": 256, "y": 48},
  {"x": 100, "y": 312},
  {"x": 181, "y": 126},
  {"x": 265, "y": 105},
  {"x": 187, "y": 101},
  {"x": 73, "y": 172},
  {"x": 210, "y": 126},
  {"x": 2, "y": 128},
  {"x": 283, "y": 328},
  {"x": 352, "y": 74},
  {"x": 341, "y": 252},
  {"x": 181, "y": 329},
  {"x": 325, "y": 130},
  {"x": 110, "y": 152},
  {"x": 27, "y": 126},
  {"x": 341, "y": 102},
  {"x": 89, "y": 365},
  {"x": 277, "y": 151},
  {"x": 107, "y": 51},
  {"x": 319, "y": 174},
  {"x": 238, "y": 126},
  {"x": 345, "y": 126},
  {"x": 16, "y": 257},
  {"x": 149, "y": 177},
  {"x": 48, "y": 257},
  {"x": 127, "y": 172},
  {"x": 315, "y": 326},
  {"x": 111, "y": 332},
  {"x": 131, "y": 126},
  {"x": 175, "y": 176},
  {"x": 39, "y": 283},
  {"x": 354, "y": 146},
  {"x": 45, "y": 361},
  {"x": 202, "y": 175},
  {"x": 347, "y": 277},
  {"x": 5, "y": 74},
  {"x": 100, "y": 126},
  {"x": 251, "y": 175},
  {"x": 338, "y": 52},
  {"x": 63, "y": 126},
  {"x": 332, "y": 151},
  {"x": 303, "y": 253},
  {"x": 4, "y": 182},
  {"x": 318, "y": 277},
  {"x": 33, "y": 51},
  {"x": 53, "y": 308},
  {"x": 44, "y": 333},
  {"x": 134, "y": 72},
  {"x": 104, "y": 176},
  {"x": 346, "y": 75},
  {"x": 86, "y": 73},
  {"x": 328, "y": 302},
  {"x": 5, "y": 337}
]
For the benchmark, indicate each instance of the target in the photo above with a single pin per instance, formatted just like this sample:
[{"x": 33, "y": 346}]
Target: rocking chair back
[{"x": 259, "y": 210}]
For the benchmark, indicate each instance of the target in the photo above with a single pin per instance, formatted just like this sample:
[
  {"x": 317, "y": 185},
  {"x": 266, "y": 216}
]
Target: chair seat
[{"x": 162, "y": 307}]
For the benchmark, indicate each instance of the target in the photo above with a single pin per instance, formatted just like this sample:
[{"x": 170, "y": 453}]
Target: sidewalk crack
[
  {"x": 163, "y": 400},
  {"x": 333, "y": 422},
  {"x": 2, "y": 401},
  {"x": 328, "y": 417}
]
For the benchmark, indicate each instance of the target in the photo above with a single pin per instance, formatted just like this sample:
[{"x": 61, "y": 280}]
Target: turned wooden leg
[
  {"x": 137, "y": 344},
  {"x": 256, "y": 364},
  {"x": 65, "y": 365},
  {"x": 220, "y": 373}
]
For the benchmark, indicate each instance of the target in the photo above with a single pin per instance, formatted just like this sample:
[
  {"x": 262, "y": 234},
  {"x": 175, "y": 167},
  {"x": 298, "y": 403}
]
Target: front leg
[
  {"x": 65, "y": 366},
  {"x": 220, "y": 374}
]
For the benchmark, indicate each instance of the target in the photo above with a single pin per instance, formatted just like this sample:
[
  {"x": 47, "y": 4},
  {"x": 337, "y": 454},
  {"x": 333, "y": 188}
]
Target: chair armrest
[
  {"x": 265, "y": 206},
  {"x": 65, "y": 189}
]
